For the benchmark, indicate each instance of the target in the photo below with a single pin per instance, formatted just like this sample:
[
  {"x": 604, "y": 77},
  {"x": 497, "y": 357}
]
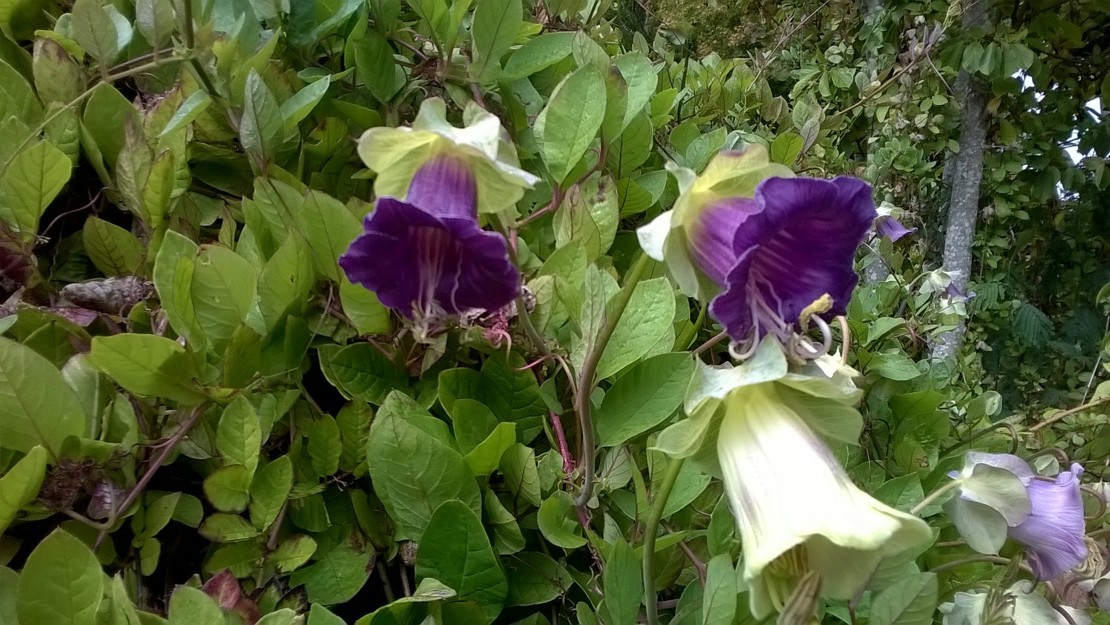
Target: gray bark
[{"x": 965, "y": 175}]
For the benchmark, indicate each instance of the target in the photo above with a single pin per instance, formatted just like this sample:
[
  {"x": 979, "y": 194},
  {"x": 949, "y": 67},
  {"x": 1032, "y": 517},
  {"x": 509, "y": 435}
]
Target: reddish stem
[{"x": 561, "y": 438}]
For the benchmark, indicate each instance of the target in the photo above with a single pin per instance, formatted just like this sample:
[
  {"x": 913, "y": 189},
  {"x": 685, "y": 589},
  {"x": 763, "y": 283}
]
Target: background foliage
[{"x": 192, "y": 394}]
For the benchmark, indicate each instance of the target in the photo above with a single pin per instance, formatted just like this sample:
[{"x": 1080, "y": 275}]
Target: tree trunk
[{"x": 966, "y": 174}]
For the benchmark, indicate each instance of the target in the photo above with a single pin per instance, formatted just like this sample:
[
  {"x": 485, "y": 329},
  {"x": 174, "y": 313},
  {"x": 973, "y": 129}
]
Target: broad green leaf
[
  {"x": 644, "y": 329},
  {"x": 284, "y": 284},
  {"x": 155, "y": 20},
  {"x": 228, "y": 489},
  {"x": 472, "y": 422},
  {"x": 911, "y": 601},
  {"x": 241, "y": 558},
  {"x": 507, "y": 537},
  {"x": 37, "y": 407},
  {"x": 328, "y": 227},
  {"x": 96, "y": 31},
  {"x": 293, "y": 552},
  {"x": 262, "y": 127},
  {"x": 106, "y": 113},
  {"x": 361, "y": 371},
  {"x": 20, "y": 485},
  {"x": 33, "y": 179},
  {"x": 534, "y": 578},
  {"x": 337, "y": 576},
  {"x": 589, "y": 215},
  {"x": 414, "y": 474},
  {"x": 17, "y": 99},
  {"x": 362, "y": 307},
  {"x": 538, "y": 54},
  {"x": 353, "y": 421},
  {"x": 894, "y": 367},
  {"x": 239, "y": 435},
  {"x": 454, "y": 550},
  {"x": 319, "y": 615},
  {"x": 558, "y": 522},
  {"x": 114, "y": 251},
  {"x": 786, "y": 148},
  {"x": 486, "y": 456},
  {"x": 157, "y": 189},
  {"x": 191, "y": 109},
  {"x": 508, "y": 390},
  {"x": 324, "y": 446},
  {"x": 641, "y": 79},
  {"x": 623, "y": 585},
  {"x": 719, "y": 603},
  {"x": 150, "y": 365},
  {"x": 192, "y": 606},
  {"x": 301, "y": 104},
  {"x": 223, "y": 289},
  {"x": 9, "y": 593},
  {"x": 569, "y": 123},
  {"x": 226, "y": 528},
  {"x": 269, "y": 491},
  {"x": 373, "y": 58},
  {"x": 159, "y": 511},
  {"x": 643, "y": 397},
  {"x": 61, "y": 583},
  {"x": 493, "y": 30},
  {"x": 174, "y": 268},
  {"x": 57, "y": 77},
  {"x": 518, "y": 464},
  {"x": 284, "y": 616}
]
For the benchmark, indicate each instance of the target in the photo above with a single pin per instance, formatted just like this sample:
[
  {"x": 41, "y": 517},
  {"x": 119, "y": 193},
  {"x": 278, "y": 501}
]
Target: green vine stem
[
  {"x": 933, "y": 496},
  {"x": 589, "y": 370},
  {"x": 651, "y": 529}
]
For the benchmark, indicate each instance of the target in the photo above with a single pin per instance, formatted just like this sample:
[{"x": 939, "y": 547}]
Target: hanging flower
[
  {"x": 426, "y": 256},
  {"x": 887, "y": 224},
  {"x": 1001, "y": 496},
  {"x": 796, "y": 508},
  {"x": 397, "y": 154},
  {"x": 782, "y": 257}
]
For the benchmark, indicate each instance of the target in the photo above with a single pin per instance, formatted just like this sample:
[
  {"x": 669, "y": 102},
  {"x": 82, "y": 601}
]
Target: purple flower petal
[
  {"x": 427, "y": 255},
  {"x": 713, "y": 234},
  {"x": 798, "y": 248},
  {"x": 891, "y": 228},
  {"x": 1053, "y": 533}
]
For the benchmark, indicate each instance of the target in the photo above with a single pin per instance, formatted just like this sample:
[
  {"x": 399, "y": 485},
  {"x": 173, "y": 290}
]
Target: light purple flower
[
  {"x": 426, "y": 256},
  {"x": 891, "y": 228},
  {"x": 779, "y": 253},
  {"x": 1053, "y": 532}
]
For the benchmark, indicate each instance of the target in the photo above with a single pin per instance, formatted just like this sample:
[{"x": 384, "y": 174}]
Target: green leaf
[
  {"x": 534, "y": 578},
  {"x": 107, "y": 112},
  {"x": 159, "y": 511},
  {"x": 9, "y": 593},
  {"x": 157, "y": 189},
  {"x": 150, "y": 365},
  {"x": 301, "y": 104},
  {"x": 155, "y": 20},
  {"x": 623, "y": 585},
  {"x": 114, "y": 251},
  {"x": 414, "y": 474},
  {"x": 61, "y": 583},
  {"x": 911, "y": 601},
  {"x": 262, "y": 127},
  {"x": 643, "y": 397},
  {"x": 191, "y": 109},
  {"x": 57, "y": 77},
  {"x": 362, "y": 307},
  {"x": 538, "y": 54},
  {"x": 511, "y": 392},
  {"x": 336, "y": 576},
  {"x": 33, "y": 179},
  {"x": 223, "y": 290},
  {"x": 589, "y": 215},
  {"x": 644, "y": 329},
  {"x": 319, "y": 615},
  {"x": 284, "y": 284},
  {"x": 558, "y": 522},
  {"x": 894, "y": 367},
  {"x": 227, "y": 528},
  {"x": 454, "y": 550},
  {"x": 228, "y": 489},
  {"x": 373, "y": 58},
  {"x": 269, "y": 491},
  {"x": 507, "y": 537},
  {"x": 240, "y": 558},
  {"x": 324, "y": 446},
  {"x": 284, "y": 616},
  {"x": 486, "y": 456},
  {"x": 473, "y": 423},
  {"x": 569, "y": 123},
  {"x": 20, "y": 485},
  {"x": 719, "y": 603},
  {"x": 174, "y": 268},
  {"x": 495, "y": 26},
  {"x": 293, "y": 552},
  {"x": 17, "y": 99},
  {"x": 361, "y": 371},
  {"x": 641, "y": 78},
  {"x": 192, "y": 606},
  {"x": 786, "y": 148},
  {"x": 239, "y": 435},
  {"x": 518, "y": 464},
  {"x": 93, "y": 27},
  {"x": 37, "y": 407}
]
